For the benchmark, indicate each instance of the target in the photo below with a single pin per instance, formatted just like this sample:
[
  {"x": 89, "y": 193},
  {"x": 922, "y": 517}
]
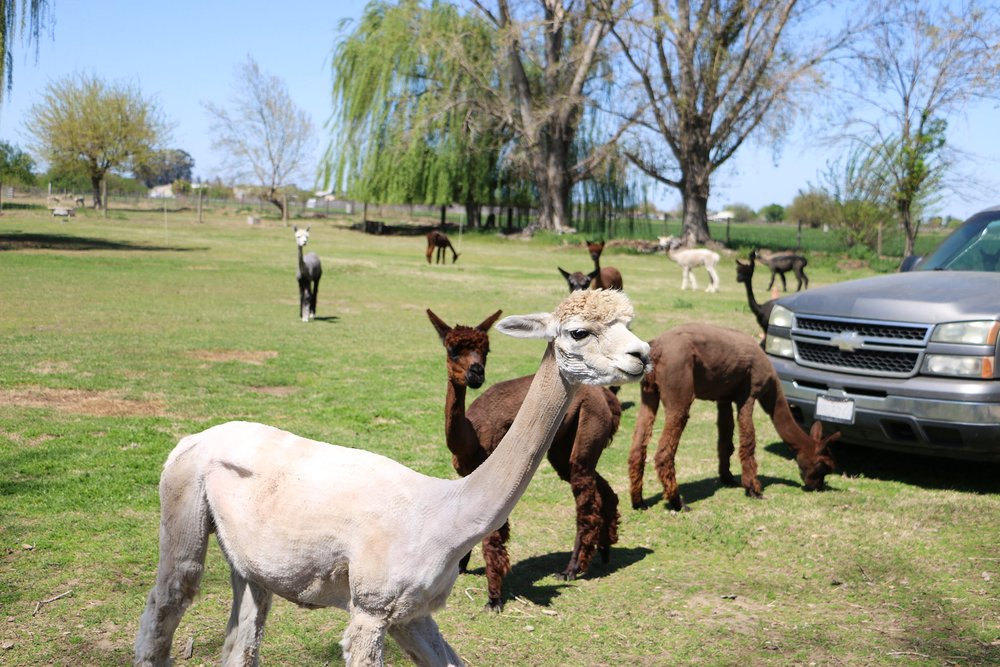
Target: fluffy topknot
[{"x": 598, "y": 305}]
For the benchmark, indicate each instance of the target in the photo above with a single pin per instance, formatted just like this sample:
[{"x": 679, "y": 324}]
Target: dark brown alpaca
[
  {"x": 590, "y": 422},
  {"x": 761, "y": 311},
  {"x": 781, "y": 264},
  {"x": 607, "y": 278},
  {"x": 726, "y": 366},
  {"x": 439, "y": 241}
]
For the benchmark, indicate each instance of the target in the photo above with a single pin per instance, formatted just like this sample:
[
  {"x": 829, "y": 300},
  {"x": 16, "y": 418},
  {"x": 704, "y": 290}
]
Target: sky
[{"x": 185, "y": 53}]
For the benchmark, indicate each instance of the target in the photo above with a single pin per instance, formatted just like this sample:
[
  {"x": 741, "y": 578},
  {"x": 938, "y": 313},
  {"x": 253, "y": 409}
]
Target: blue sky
[{"x": 184, "y": 53}]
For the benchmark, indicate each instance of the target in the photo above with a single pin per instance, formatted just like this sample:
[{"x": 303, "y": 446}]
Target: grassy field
[{"x": 119, "y": 336}]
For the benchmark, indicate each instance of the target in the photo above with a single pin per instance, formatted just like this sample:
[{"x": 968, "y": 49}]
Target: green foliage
[
  {"x": 812, "y": 207},
  {"x": 773, "y": 213},
  {"x": 16, "y": 166},
  {"x": 741, "y": 212},
  {"x": 165, "y": 166},
  {"x": 84, "y": 123}
]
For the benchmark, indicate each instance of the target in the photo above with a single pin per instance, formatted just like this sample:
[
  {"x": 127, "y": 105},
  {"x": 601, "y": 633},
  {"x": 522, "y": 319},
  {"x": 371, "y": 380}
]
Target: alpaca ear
[
  {"x": 536, "y": 325},
  {"x": 739, "y": 263},
  {"x": 565, "y": 274},
  {"x": 295, "y": 228},
  {"x": 485, "y": 325},
  {"x": 439, "y": 324}
]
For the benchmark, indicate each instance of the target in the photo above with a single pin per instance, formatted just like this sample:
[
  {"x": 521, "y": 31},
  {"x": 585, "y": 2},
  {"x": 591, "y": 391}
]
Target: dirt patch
[
  {"x": 255, "y": 357},
  {"x": 52, "y": 368},
  {"x": 78, "y": 401}
]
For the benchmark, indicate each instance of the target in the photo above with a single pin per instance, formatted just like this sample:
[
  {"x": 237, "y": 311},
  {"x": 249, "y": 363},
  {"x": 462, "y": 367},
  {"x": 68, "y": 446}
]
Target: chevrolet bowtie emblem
[{"x": 847, "y": 341}]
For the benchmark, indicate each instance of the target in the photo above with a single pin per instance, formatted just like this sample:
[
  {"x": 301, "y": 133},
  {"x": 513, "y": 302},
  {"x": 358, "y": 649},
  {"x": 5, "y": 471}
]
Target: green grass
[{"x": 119, "y": 336}]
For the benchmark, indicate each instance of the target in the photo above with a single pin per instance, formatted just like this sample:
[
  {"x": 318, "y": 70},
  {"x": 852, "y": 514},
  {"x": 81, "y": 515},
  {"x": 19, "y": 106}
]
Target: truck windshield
[{"x": 974, "y": 246}]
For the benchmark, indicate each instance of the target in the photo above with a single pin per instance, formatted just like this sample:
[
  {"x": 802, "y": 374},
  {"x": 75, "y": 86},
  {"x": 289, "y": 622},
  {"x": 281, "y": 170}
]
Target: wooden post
[
  {"x": 201, "y": 194},
  {"x": 284, "y": 208},
  {"x": 104, "y": 195}
]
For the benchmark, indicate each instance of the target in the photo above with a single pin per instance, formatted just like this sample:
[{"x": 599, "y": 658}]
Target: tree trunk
[
  {"x": 473, "y": 215},
  {"x": 909, "y": 229},
  {"x": 95, "y": 183},
  {"x": 695, "y": 225}
]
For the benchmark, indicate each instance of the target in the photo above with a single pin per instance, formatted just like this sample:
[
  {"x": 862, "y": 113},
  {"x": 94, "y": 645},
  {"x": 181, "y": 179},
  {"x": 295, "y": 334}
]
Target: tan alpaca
[
  {"x": 689, "y": 259},
  {"x": 591, "y": 420},
  {"x": 729, "y": 367},
  {"x": 322, "y": 525}
]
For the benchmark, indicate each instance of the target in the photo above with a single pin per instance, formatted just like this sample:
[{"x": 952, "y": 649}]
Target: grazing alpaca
[
  {"x": 439, "y": 241},
  {"x": 726, "y": 366},
  {"x": 590, "y": 422},
  {"x": 308, "y": 275},
  {"x": 322, "y": 525},
  {"x": 607, "y": 278},
  {"x": 761, "y": 311},
  {"x": 689, "y": 258},
  {"x": 781, "y": 264}
]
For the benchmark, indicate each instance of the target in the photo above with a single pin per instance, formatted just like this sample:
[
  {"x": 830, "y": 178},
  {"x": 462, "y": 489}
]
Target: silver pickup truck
[{"x": 905, "y": 362}]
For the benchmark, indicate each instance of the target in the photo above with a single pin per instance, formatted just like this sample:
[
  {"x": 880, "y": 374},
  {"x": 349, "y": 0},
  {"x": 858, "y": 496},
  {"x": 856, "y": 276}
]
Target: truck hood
[{"x": 925, "y": 297}]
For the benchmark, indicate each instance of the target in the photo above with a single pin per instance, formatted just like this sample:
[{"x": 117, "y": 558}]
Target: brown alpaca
[
  {"x": 607, "y": 278},
  {"x": 726, "y": 366},
  {"x": 439, "y": 241},
  {"x": 762, "y": 311},
  {"x": 590, "y": 422}
]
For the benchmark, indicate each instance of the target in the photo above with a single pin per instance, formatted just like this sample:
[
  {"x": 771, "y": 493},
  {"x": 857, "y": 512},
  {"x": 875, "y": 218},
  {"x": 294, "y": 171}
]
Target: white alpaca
[
  {"x": 689, "y": 258},
  {"x": 323, "y": 525}
]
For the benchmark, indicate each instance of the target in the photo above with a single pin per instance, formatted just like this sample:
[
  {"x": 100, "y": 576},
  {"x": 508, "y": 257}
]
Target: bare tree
[
  {"x": 549, "y": 50},
  {"x": 265, "y": 137},
  {"x": 923, "y": 62},
  {"x": 712, "y": 73}
]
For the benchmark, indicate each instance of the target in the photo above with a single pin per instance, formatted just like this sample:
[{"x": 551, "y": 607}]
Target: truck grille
[{"x": 865, "y": 347}]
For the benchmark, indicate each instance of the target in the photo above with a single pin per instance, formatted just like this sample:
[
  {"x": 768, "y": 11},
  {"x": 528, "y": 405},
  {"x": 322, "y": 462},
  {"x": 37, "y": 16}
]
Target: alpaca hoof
[
  {"x": 605, "y": 554},
  {"x": 678, "y": 505},
  {"x": 568, "y": 575},
  {"x": 641, "y": 505},
  {"x": 494, "y": 606},
  {"x": 728, "y": 480},
  {"x": 756, "y": 495}
]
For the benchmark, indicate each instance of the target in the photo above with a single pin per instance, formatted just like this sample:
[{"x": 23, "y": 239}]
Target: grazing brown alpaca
[
  {"x": 761, "y": 311},
  {"x": 607, "y": 278},
  {"x": 439, "y": 241},
  {"x": 590, "y": 422},
  {"x": 726, "y": 366}
]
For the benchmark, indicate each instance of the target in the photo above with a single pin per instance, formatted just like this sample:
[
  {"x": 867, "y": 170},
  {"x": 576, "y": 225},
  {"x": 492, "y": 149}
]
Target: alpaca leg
[
  {"x": 784, "y": 285},
  {"x": 713, "y": 279},
  {"x": 692, "y": 279},
  {"x": 748, "y": 446},
  {"x": 609, "y": 518},
  {"x": 676, "y": 413},
  {"x": 363, "y": 643},
  {"x": 430, "y": 251},
  {"x": 313, "y": 295},
  {"x": 304, "y": 299},
  {"x": 588, "y": 520},
  {"x": 184, "y": 530},
  {"x": 774, "y": 275},
  {"x": 803, "y": 280},
  {"x": 650, "y": 403},
  {"x": 497, "y": 565},
  {"x": 463, "y": 564},
  {"x": 421, "y": 640},
  {"x": 251, "y": 604},
  {"x": 724, "y": 428}
]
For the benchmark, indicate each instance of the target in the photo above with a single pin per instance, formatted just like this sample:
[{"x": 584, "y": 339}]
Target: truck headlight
[
  {"x": 779, "y": 346},
  {"x": 780, "y": 317},
  {"x": 958, "y": 366},
  {"x": 970, "y": 333}
]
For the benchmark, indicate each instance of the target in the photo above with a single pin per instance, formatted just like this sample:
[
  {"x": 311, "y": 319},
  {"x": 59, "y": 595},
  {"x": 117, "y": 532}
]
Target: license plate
[{"x": 833, "y": 409}]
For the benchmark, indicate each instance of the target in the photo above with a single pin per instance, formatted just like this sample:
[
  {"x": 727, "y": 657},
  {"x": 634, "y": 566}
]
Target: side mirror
[{"x": 910, "y": 262}]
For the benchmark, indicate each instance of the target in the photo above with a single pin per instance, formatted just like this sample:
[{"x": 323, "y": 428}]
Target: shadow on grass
[
  {"x": 535, "y": 578},
  {"x": 693, "y": 492},
  {"x": 923, "y": 471},
  {"x": 21, "y": 241}
]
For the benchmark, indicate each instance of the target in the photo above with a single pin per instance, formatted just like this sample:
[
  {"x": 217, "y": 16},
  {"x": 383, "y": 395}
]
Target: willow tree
[
  {"x": 921, "y": 63},
  {"x": 711, "y": 74},
  {"x": 26, "y": 17},
  {"x": 404, "y": 131},
  {"x": 85, "y": 123}
]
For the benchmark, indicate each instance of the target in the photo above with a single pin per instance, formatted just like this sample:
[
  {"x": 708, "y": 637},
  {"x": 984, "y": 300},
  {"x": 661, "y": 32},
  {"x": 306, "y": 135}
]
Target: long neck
[
  {"x": 485, "y": 498},
  {"x": 752, "y": 300},
  {"x": 302, "y": 265},
  {"x": 458, "y": 431},
  {"x": 772, "y": 399}
]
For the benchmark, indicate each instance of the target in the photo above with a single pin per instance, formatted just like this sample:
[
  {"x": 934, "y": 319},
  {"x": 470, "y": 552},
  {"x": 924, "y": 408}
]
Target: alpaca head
[
  {"x": 590, "y": 334},
  {"x": 815, "y": 467},
  {"x": 467, "y": 349},
  {"x": 301, "y": 235},
  {"x": 744, "y": 271},
  {"x": 578, "y": 280},
  {"x": 595, "y": 248}
]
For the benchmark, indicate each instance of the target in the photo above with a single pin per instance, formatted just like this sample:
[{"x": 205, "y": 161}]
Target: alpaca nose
[{"x": 475, "y": 376}]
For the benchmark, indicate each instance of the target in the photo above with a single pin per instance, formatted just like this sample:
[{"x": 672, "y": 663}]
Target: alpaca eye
[{"x": 579, "y": 334}]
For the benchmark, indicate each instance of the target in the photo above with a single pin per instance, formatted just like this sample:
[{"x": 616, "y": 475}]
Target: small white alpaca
[
  {"x": 689, "y": 258},
  {"x": 308, "y": 274},
  {"x": 322, "y": 525}
]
